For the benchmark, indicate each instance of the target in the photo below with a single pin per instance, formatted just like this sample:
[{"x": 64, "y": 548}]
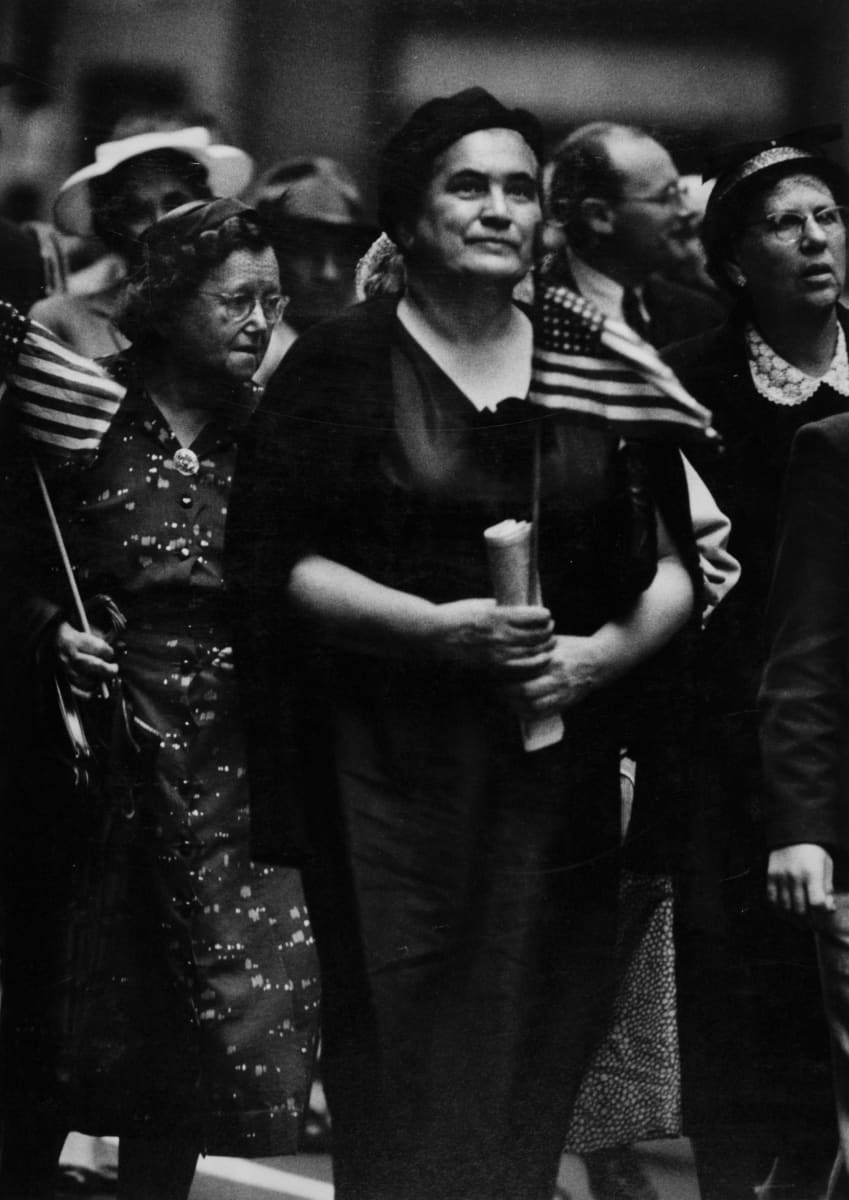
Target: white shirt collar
[{"x": 604, "y": 292}]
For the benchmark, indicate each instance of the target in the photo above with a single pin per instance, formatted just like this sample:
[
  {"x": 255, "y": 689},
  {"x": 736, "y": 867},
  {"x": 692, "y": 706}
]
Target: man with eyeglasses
[{"x": 618, "y": 198}]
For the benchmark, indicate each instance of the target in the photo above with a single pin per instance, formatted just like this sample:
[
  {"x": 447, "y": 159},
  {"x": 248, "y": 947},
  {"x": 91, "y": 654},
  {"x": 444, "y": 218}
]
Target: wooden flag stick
[
  {"x": 66, "y": 563},
  {"x": 534, "y": 596}
]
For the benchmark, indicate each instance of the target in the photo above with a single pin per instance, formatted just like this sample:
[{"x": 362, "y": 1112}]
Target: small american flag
[
  {"x": 63, "y": 402},
  {"x": 601, "y": 372}
]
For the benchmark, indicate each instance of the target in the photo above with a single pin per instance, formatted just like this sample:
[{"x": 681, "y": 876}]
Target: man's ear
[{"x": 597, "y": 215}]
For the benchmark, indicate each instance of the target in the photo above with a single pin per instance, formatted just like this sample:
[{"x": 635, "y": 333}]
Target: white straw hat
[{"x": 229, "y": 170}]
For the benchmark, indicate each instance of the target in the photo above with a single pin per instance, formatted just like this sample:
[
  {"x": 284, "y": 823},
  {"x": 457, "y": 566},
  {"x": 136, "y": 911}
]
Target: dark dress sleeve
[
  {"x": 804, "y": 695},
  {"x": 298, "y": 489}
]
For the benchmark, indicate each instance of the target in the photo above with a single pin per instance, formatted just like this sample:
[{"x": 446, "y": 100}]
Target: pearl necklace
[{"x": 781, "y": 382}]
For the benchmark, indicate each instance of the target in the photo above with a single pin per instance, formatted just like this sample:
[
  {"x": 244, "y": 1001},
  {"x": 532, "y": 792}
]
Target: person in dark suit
[
  {"x": 805, "y": 702},
  {"x": 617, "y": 195}
]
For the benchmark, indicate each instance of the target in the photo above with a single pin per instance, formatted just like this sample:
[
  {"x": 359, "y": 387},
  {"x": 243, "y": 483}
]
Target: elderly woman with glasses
[
  {"x": 192, "y": 1029},
  {"x": 775, "y": 238}
]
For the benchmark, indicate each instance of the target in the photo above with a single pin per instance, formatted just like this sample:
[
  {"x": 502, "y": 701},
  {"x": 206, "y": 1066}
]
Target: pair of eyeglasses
[
  {"x": 672, "y": 195},
  {"x": 239, "y": 305},
  {"x": 791, "y": 226}
]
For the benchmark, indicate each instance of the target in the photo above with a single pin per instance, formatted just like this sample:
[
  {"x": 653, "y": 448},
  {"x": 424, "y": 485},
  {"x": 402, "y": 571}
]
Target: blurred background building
[{"x": 331, "y": 77}]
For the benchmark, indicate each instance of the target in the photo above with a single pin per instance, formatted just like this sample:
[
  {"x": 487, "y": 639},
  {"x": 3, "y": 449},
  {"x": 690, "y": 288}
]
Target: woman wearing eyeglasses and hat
[
  {"x": 132, "y": 182},
  {"x": 192, "y": 1027},
  {"x": 775, "y": 237}
]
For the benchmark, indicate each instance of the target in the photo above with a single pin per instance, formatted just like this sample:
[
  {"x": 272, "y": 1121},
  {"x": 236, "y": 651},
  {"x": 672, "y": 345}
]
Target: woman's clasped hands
[
  {"x": 510, "y": 640},
  {"x": 541, "y": 672},
  {"x": 574, "y": 669}
]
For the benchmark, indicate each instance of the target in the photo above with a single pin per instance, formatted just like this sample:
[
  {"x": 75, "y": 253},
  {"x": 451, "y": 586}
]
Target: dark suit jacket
[
  {"x": 676, "y": 312},
  {"x": 805, "y": 692}
]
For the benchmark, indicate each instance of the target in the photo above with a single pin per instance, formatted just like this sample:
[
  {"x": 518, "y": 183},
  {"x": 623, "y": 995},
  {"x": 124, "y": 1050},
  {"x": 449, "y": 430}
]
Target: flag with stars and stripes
[
  {"x": 599, "y": 371},
  {"x": 62, "y": 402}
]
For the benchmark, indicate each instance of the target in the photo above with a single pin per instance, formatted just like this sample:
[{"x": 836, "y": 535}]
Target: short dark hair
[
  {"x": 180, "y": 251},
  {"x": 729, "y": 211},
  {"x": 109, "y": 192},
  {"x": 583, "y": 168},
  {"x": 406, "y": 164}
]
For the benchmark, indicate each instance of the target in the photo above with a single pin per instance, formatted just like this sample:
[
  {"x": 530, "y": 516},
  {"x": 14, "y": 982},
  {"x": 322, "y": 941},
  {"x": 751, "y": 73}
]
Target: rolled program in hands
[{"x": 508, "y": 548}]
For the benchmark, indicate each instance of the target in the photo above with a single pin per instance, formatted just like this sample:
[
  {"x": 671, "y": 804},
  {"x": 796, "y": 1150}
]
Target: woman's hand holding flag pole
[{"x": 61, "y": 402}]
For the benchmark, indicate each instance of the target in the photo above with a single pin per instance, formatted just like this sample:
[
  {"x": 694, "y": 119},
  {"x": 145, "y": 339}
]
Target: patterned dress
[{"x": 204, "y": 1010}]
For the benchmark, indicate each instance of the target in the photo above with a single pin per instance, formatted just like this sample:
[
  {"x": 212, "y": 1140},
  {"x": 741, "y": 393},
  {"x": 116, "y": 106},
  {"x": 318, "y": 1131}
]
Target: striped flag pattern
[
  {"x": 63, "y": 403},
  {"x": 602, "y": 373}
]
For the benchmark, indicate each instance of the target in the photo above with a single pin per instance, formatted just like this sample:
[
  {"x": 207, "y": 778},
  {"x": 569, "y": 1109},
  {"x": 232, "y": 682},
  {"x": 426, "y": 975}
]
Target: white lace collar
[{"x": 781, "y": 383}]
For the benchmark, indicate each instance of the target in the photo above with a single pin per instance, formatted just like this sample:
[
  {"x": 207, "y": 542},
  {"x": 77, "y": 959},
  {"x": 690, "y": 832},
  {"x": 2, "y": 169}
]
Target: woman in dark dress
[
  {"x": 754, "y": 1052},
  {"x": 196, "y": 1033},
  {"x": 463, "y": 890}
]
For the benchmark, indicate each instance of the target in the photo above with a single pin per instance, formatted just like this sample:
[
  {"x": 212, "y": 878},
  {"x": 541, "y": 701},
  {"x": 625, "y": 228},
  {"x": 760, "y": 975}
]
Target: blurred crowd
[{"x": 692, "y": 1008}]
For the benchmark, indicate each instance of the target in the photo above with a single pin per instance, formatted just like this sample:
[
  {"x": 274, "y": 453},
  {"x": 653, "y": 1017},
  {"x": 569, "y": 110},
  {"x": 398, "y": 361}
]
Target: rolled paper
[{"x": 508, "y": 549}]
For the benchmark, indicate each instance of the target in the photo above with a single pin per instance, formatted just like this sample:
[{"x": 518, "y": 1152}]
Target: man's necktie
[{"x": 632, "y": 311}]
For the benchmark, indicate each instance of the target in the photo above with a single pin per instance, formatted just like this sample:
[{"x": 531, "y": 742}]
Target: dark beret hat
[{"x": 405, "y": 166}]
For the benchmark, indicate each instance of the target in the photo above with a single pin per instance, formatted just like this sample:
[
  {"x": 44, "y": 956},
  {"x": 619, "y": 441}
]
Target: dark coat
[
  {"x": 350, "y": 357},
  {"x": 745, "y": 475},
  {"x": 805, "y": 694},
  {"x": 677, "y": 312},
  {"x": 754, "y": 1047}
]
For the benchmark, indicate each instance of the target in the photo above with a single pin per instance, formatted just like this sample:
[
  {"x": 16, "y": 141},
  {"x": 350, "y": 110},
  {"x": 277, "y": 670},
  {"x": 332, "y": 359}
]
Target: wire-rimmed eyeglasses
[
  {"x": 673, "y": 195},
  {"x": 790, "y": 226},
  {"x": 239, "y": 305}
]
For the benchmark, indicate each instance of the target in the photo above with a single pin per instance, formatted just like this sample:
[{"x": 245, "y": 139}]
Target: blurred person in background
[
  {"x": 315, "y": 216},
  {"x": 192, "y": 1027},
  {"x": 32, "y": 260},
  {"x": 754, "y": 1045},
  {"x": 463, "y": 891},
  {"x": 132, "y": 182},
  {"x": 617, "y": 195},
  {"x": 617, "y": 215},
  {"x": 688, "y": 258}
]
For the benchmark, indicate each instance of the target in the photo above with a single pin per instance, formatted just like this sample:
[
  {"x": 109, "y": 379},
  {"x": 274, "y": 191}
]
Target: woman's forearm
[
  {"x": 660, "y": 612},
  {"x": 355, "y": 612},
  {"x": 581, "y": 666}
]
